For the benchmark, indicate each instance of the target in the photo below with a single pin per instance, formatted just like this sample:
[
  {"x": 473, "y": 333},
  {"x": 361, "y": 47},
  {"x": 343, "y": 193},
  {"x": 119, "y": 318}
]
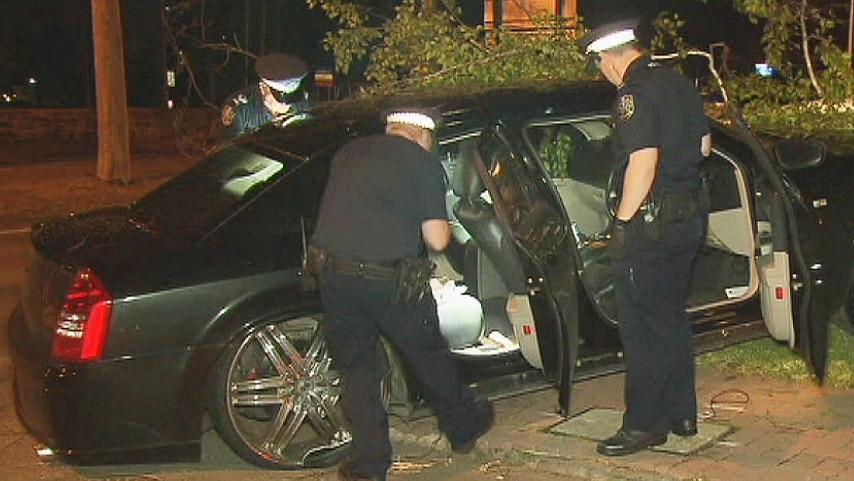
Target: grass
[{"x": 766, "y": 357}]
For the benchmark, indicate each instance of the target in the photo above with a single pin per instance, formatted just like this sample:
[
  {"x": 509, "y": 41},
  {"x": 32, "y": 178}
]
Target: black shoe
[
  {"x": 486, "y": 414},
  {"x": 684, "y": 428},
  {"x": 347, "y": 472},
  {"x": 629, "y": 442}
]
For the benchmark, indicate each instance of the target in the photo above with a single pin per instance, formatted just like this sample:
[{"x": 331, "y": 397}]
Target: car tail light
[{"x": 81, "y": 329}]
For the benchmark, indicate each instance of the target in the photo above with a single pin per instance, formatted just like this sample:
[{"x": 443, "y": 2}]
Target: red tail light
[{"x": 81, "y": 329}]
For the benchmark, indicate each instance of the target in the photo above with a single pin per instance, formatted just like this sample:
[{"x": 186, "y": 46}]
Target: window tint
[
  {"x": 579, "y": 149},
  {"x": 273, "y": 224},
  {"x": 577, "y": 155},
  {"x": 193, "y": 203}
]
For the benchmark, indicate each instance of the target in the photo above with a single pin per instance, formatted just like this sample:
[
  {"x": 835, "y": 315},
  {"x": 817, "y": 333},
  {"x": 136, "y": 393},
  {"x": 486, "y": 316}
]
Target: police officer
[
  {"x": 277, "y": 94},
  {"x": 660, "y": 138},
  {"x": 384, "y": 204}
]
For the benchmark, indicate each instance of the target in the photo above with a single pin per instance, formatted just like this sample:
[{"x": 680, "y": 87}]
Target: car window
[
  {"x": 272, "y": 226},
  {"x": 578, "y": 149},
  {"x": 521, "y": 195},
  {"x": 195, "y": 201},
  {"x": 577, "y": 155}
]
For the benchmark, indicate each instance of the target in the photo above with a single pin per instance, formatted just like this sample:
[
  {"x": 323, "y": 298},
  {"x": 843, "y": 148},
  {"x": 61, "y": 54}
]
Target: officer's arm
[
  {"x": 640, "y": 174},
  {"x": 706, "y": 145},
  {"x": 436, "y": 233}
]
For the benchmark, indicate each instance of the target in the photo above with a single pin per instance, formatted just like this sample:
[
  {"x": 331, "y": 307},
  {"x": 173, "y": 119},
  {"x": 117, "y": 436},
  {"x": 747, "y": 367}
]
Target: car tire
[
  {"x": 844, "y": 317},
  {"x": 275, "y": 397}
]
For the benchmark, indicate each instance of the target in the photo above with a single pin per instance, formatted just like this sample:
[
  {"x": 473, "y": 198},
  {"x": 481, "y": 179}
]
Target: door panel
[{"x": 529, "y": 209}]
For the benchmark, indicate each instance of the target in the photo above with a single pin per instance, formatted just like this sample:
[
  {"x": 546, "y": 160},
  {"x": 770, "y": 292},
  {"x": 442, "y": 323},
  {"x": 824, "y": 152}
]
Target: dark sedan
[{"x": 138, "y": 321}]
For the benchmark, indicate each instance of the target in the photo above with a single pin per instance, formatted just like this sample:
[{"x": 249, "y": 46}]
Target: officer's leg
[
  {"x": 679, "y": 396},
  {"x": 641, "y": 338},
  {"x": 414, "y": 331},
  {"x": 352, "y": 337}
]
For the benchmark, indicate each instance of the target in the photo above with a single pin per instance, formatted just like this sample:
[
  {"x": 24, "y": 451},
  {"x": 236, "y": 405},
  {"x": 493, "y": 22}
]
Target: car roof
[{"x": 332, "y": 123}]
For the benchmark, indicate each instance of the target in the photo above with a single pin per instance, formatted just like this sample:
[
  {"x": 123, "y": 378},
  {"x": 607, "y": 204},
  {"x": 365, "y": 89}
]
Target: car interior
[{"x": 483, "y": 263}]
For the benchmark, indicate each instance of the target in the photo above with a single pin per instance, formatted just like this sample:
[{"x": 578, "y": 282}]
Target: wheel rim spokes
[
  {"x": 271, "y": 338},
  {"x": 284, "y": 428},
  {"x": 300, "y": 386}
]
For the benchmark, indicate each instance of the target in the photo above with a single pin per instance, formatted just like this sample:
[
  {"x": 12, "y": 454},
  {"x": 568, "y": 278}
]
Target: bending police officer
[
  {"x": 384, "y": 204},
  {"x": 661, "y": 136}
]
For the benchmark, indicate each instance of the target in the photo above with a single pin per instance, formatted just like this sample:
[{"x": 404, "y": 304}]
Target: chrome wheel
[{"x": 275, "y": 399}]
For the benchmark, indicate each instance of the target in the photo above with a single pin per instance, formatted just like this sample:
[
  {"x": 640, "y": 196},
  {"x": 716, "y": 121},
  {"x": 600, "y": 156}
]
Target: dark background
[{"x": 50, "y": 41}]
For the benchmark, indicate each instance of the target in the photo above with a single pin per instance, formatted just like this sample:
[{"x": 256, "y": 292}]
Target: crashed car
[{"x": 139, "y": 322}]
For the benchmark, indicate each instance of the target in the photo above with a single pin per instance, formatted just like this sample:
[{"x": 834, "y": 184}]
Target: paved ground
[{"x": 775, "y": 430}]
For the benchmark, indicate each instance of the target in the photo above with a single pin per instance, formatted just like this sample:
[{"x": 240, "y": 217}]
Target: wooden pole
[
  {"x": 111, "y": 98},
  {"x": 851, "y": 29}
]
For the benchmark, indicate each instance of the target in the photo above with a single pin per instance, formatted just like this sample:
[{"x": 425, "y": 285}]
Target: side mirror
[{"x": 794, "y": 154}]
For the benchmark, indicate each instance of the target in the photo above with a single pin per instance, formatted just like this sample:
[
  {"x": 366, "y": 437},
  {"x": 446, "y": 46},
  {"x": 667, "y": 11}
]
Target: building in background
[{"x": 520, "y": 14}]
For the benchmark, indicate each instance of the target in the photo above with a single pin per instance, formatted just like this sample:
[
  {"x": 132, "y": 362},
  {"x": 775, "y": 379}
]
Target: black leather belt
[
  {"x": 360, "y": 269},
  {"x": 675, "y": 206}
]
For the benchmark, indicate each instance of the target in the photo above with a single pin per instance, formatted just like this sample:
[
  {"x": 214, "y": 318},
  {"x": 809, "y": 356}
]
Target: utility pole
[{"x": 111, "y": 98}]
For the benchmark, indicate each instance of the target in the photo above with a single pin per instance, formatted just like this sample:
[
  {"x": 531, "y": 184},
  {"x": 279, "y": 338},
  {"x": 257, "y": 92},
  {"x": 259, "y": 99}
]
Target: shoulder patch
[
  {"x": 626, "y": 107},
  {"x": 228, "y": 115}
]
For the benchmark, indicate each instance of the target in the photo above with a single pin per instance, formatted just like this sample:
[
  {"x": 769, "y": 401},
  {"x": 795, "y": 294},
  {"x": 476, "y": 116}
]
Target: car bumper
[{"x": 90, "y": 413}]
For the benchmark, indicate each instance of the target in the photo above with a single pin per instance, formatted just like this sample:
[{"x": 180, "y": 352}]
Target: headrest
[{"x": 466, "y": 182}]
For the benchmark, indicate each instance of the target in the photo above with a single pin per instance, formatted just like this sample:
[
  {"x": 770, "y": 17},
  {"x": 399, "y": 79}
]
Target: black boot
[
  {"x": 629, "y": 442},
  {"x": 684, "y": 427},
  {"x": 484, "y": 415}
]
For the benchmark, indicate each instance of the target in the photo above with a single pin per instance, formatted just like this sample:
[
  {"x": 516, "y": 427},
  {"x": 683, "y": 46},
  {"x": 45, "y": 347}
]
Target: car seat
[{"x": 493, "y": 268}]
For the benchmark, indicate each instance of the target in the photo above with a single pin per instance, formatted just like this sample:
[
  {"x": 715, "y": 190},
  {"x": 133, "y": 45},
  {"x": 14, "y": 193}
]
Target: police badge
[
  {"x": 228, "y": 115},
  {"x": 626, "y": 107}
]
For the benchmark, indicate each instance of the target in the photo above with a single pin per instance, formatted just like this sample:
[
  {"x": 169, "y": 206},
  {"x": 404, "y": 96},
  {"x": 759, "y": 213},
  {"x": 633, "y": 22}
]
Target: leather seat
[{"x": 479, "y": 219}]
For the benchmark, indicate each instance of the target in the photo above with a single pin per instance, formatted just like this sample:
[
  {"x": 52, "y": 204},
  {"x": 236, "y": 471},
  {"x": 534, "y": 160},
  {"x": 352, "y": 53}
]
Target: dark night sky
[{"x": 50, "y": 40}]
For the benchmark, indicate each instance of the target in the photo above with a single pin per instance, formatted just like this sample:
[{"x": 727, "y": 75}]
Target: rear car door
[
  {"x": 545, "y": 314},
  {"x": 750, "y": 253}
]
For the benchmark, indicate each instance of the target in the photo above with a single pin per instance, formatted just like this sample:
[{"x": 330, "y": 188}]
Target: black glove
[{"x": 619, "y": 238}]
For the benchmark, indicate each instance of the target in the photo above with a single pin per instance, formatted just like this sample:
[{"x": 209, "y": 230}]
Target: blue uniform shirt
[
  {"x": 245, "y": 111},
  {"x": 658, "y": 107}
]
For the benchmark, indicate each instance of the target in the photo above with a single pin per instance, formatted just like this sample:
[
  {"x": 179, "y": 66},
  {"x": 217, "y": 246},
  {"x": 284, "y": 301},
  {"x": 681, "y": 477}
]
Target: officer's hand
[
  {"x": 275, "y": 107},
  {"x": 619, "y": 238}
]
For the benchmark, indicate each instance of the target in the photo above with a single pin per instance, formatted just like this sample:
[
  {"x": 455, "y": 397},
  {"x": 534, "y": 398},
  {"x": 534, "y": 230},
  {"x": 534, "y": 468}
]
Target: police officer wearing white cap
[
  {"x": 384, "y": 205},
  {"x": 660, "y": 138},
  {"x": 277, "y": 94}
]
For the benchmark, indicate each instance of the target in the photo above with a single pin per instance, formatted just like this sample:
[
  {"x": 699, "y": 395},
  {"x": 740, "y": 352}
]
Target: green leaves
[
  {"x": 425, "y": 44},
  {"x": 432, "y": 47}
]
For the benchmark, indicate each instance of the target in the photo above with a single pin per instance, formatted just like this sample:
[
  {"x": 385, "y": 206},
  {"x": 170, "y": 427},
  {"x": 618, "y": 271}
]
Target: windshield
[{"x": 194, "y": 202}]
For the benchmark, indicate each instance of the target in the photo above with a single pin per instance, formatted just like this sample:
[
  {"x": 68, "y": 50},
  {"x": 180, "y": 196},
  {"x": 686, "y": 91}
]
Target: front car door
[
  {"x": 796, "y": 249},
  {"x": 746, "y": 269}
]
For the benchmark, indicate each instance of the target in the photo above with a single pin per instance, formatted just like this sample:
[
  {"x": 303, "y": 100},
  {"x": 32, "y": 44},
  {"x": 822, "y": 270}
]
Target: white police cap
[
  {"x": 280, "y": 71},
  {"x": 426, "y": 118},
  {"x": 608, "y": 36}
]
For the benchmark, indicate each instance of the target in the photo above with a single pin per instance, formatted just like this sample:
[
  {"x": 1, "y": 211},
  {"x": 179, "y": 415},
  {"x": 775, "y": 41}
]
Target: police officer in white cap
[
  {"x": 661, "y": 136},
  {"x": 278, "y": 93},
  {"x": 383, "y": 207}
]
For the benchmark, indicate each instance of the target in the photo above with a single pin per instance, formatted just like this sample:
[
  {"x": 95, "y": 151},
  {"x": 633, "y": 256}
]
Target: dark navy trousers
[
  {"x": 356, "y": 312},
  {"x": 651, "y": 288}
]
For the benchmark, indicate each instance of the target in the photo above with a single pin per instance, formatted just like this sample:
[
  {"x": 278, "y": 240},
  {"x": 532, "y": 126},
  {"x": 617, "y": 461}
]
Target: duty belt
[
  {"x": 675, "y": 206},
  {"x": 359, "y": 269}
]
